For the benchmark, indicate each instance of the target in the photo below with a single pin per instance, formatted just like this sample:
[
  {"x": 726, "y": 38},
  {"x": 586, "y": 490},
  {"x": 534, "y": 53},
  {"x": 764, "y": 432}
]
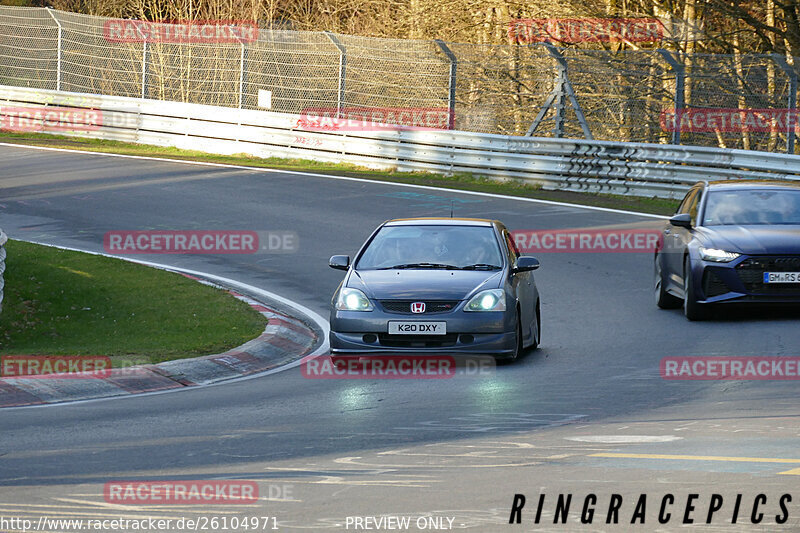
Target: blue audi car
[
  {"x": 436, "y": 286},
  {"x": 731, "y": 242}
]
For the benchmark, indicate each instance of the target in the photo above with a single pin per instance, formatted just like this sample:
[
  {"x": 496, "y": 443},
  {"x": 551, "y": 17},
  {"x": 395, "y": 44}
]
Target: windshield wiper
[
  {"x": 481, "y": 266},
  {"x": 420, "y": 265}
]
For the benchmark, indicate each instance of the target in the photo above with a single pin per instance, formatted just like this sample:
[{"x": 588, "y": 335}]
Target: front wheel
[
  {"x": 664, "y": 300},
  {"x": 692, "y": 309},
  {"x": 537, "y": 335},
  {"x": 517, "y": 346}
]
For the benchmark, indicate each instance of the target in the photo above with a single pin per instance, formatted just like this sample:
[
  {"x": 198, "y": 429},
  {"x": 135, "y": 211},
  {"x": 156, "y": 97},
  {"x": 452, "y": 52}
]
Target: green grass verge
[
  {"x": 465, "y": 182},
  {"x": 61, "y": 302}
]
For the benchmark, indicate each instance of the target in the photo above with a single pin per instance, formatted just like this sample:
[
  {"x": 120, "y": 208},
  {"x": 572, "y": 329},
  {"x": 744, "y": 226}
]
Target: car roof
[
  {"x": 434, "y": 221},
  {"x": 753, "y": 184}
]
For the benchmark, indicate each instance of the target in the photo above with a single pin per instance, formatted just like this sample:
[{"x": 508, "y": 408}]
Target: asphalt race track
[{"x": 586, "y": 413}]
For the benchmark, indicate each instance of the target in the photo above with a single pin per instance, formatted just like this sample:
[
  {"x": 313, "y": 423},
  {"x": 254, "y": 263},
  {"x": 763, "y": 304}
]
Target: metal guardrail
[
  {"x": 567, "y": 164},
  {"x": 746, "y": 101},
  {"x": 3, "y": 240}
]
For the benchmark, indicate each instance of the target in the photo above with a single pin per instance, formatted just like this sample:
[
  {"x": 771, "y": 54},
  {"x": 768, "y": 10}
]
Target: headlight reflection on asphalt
[{"x": 354, "y": 398}]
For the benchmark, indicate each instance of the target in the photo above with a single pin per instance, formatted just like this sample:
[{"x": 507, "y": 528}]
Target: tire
[
  {"x": 537, "y": 338},
  {"x": 692, "y": 309},
  {"x": 664, "y": 300},
  {"x": 517, "y": 347}
]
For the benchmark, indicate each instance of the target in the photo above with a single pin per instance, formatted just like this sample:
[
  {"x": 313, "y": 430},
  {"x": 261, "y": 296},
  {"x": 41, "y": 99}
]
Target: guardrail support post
[
  {"x": 144, "y": 62},
  {"x": 451, "y": 99},
  {"x": 563, "y": 88},
  {"x": 58, "y": 60},
  {"x": 791, "y": 118},
  {"x": 242, "y": 59},
  {"x": 144, "y": 69},
  {"x": 680, "y": 82},
  {"x": 558, "y": 128},
  {"x": 342, "y": 71}
]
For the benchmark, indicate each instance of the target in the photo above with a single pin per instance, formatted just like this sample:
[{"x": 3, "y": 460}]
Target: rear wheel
[
  {"x": 664, "y": 300},
  {"x": 692, "y": 309}
]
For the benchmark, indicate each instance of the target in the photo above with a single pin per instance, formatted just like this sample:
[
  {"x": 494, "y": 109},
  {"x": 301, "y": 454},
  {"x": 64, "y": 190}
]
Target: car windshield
[
  {"x": 411, "y": 247},
  {"x": 749, "y": 207}
]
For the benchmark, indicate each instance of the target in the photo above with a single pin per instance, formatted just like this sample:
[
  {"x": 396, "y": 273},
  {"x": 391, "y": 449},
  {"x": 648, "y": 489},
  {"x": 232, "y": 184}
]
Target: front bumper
[
  {"x": 477, "y": 333},
  {"x": 741, "y": 280}
]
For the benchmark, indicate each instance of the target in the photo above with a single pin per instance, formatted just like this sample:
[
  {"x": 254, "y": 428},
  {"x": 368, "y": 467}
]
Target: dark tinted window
[
  {"x": 458, "y": 246},
  {"x": 760, "y": 206}
]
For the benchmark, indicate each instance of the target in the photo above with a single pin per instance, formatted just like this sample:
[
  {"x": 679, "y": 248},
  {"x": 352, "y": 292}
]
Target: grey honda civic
[{"x": 436, "y": 286}]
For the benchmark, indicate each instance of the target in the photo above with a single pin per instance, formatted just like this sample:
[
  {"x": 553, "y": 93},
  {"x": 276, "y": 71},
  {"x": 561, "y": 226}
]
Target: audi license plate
[
  {"x": 417, "y": 328},
  {"x": 781, "y": 277}
]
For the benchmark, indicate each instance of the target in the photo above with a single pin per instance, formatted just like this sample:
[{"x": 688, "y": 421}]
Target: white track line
[{"x": 343, "y": 178}]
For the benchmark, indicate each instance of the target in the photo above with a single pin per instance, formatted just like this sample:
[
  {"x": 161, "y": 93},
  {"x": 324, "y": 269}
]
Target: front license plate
[
  {"x": 417, "y": 328},
  {"x": 781, "y": 277}
]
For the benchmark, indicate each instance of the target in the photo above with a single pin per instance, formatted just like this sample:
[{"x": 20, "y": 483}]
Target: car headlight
[
  {"x": 489, "y": 300},
  {"x": 352, "y": 300},
  {"x": 717, "y": 256}
]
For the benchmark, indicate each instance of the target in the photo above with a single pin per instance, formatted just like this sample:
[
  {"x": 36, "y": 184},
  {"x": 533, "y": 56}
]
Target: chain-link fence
[{"x": 741, "y": 101}]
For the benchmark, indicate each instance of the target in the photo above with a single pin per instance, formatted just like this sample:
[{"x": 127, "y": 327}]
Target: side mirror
[
  {"x": 339, "y": 262},
  {"x": 525, "y": 263},
  {"x": 683, "y": 220}
]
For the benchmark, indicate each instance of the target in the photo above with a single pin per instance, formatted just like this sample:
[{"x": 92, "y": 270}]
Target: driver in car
[{"x": 477, "y": 253}]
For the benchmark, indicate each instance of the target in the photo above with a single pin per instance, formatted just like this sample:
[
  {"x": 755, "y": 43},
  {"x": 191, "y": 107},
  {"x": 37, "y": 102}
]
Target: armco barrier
[{"x": 566, "y": 164}]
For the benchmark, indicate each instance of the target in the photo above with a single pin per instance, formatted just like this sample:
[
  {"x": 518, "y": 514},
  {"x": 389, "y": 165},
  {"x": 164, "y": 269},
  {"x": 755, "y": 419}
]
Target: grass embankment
[
  {"x": 465, "y": 182},
  {"x": 61, "y": 302}
]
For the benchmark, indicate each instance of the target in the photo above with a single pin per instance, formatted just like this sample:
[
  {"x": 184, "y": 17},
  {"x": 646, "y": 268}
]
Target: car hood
[
  {"x": 423, "y": 284},
  {"x": 753, "y": 240}
]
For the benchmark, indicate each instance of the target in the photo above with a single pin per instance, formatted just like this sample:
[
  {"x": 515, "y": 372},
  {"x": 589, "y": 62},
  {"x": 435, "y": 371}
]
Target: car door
[
  {"x": 522, "y": 284},
  {"x": 676, "y": 239}
]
